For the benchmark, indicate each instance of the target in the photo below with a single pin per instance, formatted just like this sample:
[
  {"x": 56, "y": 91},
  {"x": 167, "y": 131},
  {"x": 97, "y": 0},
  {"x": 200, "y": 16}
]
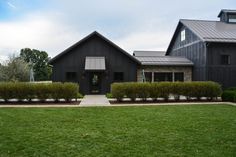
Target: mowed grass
[{"x": 199, "y": 130}]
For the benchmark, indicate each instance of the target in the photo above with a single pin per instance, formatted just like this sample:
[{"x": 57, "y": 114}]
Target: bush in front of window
[
  {"x": 163, "y": 90},
  {"x": 154, "y": 91},
  {"x": 143, "y": 90},
  {"x": 176, "y": 89}
]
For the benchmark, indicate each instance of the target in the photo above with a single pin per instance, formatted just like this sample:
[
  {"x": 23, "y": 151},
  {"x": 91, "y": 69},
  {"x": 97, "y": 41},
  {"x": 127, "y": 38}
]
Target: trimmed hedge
[
  {"x": 42, "y": 91},
  {"x": 135, "y": 90},
  {"x": 229, "y": 94}
]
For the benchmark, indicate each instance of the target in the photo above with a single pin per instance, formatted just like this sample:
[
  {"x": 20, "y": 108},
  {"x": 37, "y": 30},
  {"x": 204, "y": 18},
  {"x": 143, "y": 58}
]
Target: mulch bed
[
  {"x": 159, "y": 101},
  {"x": 39, "y": 103}
]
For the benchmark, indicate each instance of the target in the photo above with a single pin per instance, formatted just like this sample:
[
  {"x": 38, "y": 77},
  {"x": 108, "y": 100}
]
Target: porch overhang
[{"x": 95, "y": 63}]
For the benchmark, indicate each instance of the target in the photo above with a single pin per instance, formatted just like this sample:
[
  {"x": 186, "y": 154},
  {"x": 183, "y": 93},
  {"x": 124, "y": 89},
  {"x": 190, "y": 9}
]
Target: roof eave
[{"x": 150, "y": 64}]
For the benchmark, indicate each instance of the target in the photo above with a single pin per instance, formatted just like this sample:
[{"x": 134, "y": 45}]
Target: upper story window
[
  {"x": 182, "y": 38},
  {"x": 225, "y": 59},
  {"x": 232, "y": 18}
]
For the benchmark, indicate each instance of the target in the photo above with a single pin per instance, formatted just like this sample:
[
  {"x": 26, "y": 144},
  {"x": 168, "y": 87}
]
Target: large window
[
  {"x": 148, "y": 76},
  {"x": 183, "y": 35},
  {"x": 118, "y": 76},
  {"x": 232, "y": 18},
  {"x": 71, "y": 76},
  {"x": 225, "y": 59},
  {"x": 162, "y": 76},
  {"x": 179, "y": 76}
]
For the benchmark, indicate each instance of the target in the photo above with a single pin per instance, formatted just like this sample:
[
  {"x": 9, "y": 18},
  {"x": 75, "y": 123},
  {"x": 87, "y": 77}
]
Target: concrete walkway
[{"x": 94, "y": 100}]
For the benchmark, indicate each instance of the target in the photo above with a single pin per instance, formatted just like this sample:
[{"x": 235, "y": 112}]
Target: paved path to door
[{"x": 95, "y": 100}]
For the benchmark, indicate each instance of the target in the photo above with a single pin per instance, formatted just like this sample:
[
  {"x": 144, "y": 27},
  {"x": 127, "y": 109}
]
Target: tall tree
[
  {"x": 39, "y": 59},
  {"x": 15, "y": 69}
]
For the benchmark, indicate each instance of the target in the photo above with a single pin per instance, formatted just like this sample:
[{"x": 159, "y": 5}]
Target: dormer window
[
  {"x": 182, "y": 38},
  {"x": 232, "y": 18},
  {"x": 228, "y": 16}
]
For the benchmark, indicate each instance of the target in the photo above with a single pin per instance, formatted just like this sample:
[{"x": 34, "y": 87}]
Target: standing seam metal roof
[
  {"x": 165, "y": 60},
  {"x": 149, "y": 53},
  {"x": 212, "y": 31}
]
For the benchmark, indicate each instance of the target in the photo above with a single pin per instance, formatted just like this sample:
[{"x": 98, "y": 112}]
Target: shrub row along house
[{"x": 199, "y": 51}]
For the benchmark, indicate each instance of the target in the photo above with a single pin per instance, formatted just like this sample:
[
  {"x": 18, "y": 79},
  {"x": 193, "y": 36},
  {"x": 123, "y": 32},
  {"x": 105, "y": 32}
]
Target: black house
[
  {"x": 94, "y": 62},
  {"x": 210, "y": 45},
  {"x": 199, "y": 50}
]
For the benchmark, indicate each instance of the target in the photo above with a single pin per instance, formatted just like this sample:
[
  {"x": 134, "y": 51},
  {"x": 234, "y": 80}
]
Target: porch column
[
  {"x": 173, "y": 77},
  {"x": 152, "y": 76}
]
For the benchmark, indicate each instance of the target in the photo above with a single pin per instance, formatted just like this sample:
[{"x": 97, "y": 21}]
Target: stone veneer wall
[{"x": 187, "y": 70}]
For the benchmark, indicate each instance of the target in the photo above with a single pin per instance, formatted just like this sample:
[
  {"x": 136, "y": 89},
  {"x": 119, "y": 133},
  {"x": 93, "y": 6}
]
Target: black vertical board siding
[
  {"x": 74, "y": 61},
  {"x": 225, "y": 74}
]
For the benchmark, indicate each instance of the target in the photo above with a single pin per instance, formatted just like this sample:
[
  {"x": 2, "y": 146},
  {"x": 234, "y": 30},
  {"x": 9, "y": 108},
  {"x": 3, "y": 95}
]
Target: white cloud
[
  {"x": 147, "y": 40},
  {"x": 49, "y": 33},
  {"x": 38, "y": 32},
  {"x": 133, "y": 25},
  {"x": 11, "y": 5}
]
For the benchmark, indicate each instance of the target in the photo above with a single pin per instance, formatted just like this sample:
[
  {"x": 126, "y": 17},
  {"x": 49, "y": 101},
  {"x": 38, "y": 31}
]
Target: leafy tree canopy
[
  {"x": 39, "y": 61},
  {"x": 14, "y": 69}
]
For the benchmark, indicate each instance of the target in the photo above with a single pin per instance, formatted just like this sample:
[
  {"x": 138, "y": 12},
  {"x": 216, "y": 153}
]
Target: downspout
[{"x": 206, "y": 62}]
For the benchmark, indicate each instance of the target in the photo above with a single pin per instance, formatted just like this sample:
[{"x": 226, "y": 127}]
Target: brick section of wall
[{"x": 186, "y": 70}]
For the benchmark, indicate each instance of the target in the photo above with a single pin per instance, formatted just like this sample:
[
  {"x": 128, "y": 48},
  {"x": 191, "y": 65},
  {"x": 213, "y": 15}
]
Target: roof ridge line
[{"x": 198, "y": 20}]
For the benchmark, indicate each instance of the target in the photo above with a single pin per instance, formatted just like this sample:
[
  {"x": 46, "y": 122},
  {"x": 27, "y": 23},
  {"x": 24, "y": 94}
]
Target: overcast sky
[{"x": 54, "y": 25}]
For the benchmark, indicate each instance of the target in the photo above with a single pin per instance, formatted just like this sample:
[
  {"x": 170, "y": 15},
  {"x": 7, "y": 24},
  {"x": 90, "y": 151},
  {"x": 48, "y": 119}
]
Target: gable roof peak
[{"x": 86, "y": 38}]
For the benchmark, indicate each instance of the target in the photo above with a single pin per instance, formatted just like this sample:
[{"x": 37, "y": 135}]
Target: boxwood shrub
[
  {"x": 163, "y": 90},
  {"x": 41, "y": 91},
  {"x": 118, "y": 90},
  {"x": 229, "y": 95}
]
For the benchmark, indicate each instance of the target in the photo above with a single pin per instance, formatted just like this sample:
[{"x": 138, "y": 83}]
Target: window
[
  {"x": 179, "y": 76},
  {"x": 118, "y": 76},
  {"x": 71, "y": 76},
  {"x": 148, "y": 76},
  {"x": 183, "y": 35},
  {"x": 232, "y": 18},
  {"x": 158, "y": 77},
  {"x": 225, "y": 59}
]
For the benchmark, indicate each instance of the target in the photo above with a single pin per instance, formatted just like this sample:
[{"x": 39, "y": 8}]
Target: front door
[{"x": 95, "y": 82}]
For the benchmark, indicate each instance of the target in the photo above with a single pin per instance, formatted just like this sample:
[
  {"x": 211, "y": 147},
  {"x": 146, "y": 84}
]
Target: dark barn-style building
[
  {"x": 199, "y": 50},
  {"x": 94, "y": 62},
  {"x": 210, "y": 45}
]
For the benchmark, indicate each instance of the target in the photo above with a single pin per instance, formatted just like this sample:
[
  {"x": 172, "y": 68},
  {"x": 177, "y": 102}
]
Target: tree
[
  {"x": 39, "y": 59},
  {"x": 15, "y": 69}
]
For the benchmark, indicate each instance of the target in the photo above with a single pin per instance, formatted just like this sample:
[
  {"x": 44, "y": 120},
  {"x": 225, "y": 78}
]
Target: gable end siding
[
  {"x": 74, "y": 61},
  {"x": 192, "y": 48}
]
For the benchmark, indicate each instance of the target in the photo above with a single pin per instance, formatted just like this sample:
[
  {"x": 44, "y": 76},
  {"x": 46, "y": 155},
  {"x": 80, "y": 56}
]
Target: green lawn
[{"x": 200, "y": 130}]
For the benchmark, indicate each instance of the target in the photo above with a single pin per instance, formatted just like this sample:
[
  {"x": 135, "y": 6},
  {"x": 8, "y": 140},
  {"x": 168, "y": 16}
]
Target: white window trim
[{"x": 183, "y": 35}]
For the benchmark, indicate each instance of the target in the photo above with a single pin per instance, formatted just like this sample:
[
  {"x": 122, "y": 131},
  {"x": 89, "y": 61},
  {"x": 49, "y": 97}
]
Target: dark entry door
[{"x": 95, "y": 82}]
